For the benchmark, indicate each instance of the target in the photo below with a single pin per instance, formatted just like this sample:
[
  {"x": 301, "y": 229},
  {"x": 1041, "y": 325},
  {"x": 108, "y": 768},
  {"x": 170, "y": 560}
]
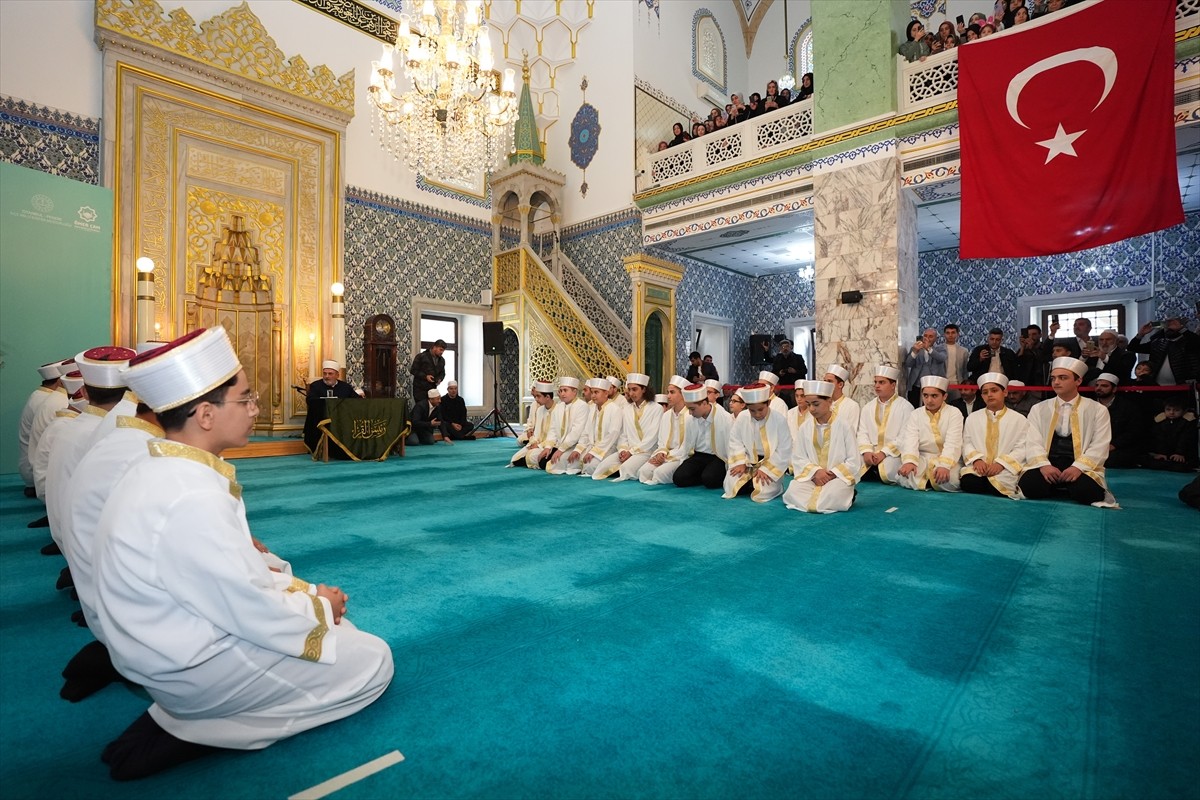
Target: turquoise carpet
[{"x": 559, "y": 638}]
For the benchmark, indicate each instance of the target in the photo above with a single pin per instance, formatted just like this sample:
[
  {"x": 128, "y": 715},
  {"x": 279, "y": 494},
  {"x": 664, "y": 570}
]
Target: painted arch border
[{"x": 701, "y": 15}]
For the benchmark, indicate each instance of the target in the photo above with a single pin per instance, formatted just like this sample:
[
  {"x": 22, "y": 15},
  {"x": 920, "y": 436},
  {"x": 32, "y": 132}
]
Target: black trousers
[
  {"x": 702, "y": 469},
  {"x": 1082, "y": 490},
  {"x": 977, "y": 484}
]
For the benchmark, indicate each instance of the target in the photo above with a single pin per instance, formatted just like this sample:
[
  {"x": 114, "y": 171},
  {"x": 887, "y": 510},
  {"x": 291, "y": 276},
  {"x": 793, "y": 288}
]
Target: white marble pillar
[{"x": 866, "y": 240}]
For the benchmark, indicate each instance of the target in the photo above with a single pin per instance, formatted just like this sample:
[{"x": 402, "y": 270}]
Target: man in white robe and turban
[
  {"x": 825, "y": 459},
  {"x": 932, "y": 441},
  {"x": 186, "y": 604},
  {"x": 672, "y": 437},
  {"x": 880, "y": 424},
  {"x": 994, "y": 440},
  {"x": 760, "y": 448},
  {"x": 1069, "y": 437}
]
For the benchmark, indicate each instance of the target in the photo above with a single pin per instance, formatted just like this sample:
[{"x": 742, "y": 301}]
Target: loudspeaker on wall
[{"x": 493, "y": 338}]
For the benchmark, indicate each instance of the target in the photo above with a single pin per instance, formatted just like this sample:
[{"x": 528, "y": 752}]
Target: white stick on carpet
[{"x": 352, "y": 776}]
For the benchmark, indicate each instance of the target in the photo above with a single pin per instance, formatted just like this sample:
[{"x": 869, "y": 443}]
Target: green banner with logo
[{"x": 56, "y": 239}]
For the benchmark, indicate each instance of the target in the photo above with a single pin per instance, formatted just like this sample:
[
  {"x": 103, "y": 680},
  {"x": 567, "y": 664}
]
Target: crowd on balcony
[
  {"x": 921, "y": 43},
  {"x": 736, "y": 111}
]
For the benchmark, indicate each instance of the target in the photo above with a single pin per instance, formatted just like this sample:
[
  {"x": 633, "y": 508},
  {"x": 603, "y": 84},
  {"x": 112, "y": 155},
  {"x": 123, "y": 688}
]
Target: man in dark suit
[
  {"x": 699, "y": 371},
  {"x": 790, "y": 367},
  {"x": 982, "y": 357},
  {"x": 329, "y": 386},
  {"x": 1127, "y": 447},
  {"x": 428, "y": 370},
  {"x": 454, "y": 413}
]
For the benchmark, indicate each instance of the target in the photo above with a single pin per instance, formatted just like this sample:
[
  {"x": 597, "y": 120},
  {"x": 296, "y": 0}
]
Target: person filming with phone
[
  {"x": 1174, "y": 351},
  {"x": 992, "y": 356}
]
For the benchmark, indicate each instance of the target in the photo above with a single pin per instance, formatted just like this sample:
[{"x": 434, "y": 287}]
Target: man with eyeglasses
[{"x": 232, "y": 656}]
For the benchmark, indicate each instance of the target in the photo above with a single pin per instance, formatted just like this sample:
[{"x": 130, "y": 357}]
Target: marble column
[{"x": 866, "y": 241}]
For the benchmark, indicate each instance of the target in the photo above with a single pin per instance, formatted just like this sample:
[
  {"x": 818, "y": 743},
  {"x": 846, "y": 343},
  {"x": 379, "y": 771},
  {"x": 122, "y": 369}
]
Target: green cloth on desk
[{"x": 365, "y": 429}]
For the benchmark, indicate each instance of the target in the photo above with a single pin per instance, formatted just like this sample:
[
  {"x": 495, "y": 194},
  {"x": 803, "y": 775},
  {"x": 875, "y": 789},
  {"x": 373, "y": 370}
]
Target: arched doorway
[
  {"x": 655, "y": 346},
  {"x": 511, "y": 390}
]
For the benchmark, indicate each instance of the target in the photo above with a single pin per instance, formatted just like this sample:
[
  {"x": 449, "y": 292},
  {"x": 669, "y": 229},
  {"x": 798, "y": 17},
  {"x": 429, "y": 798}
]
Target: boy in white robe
[
  {"x": 760, "y": 448},
  {"x": 49, "y": 375},
  {"x": 994, "y": 441},
  {"x": 100, "y": 368},
  {"x": 1069, "y": 437},
  {"x": 537, "y": 428},
  {"x": 825, "y": 459},
  {"x": 600, "y": 434},
  {"x": 844, "y": 406},
  {"x": 672, "y": 438},
  {"x": 707, "y": 440},
  {"x": 639, "y": 432},
  {"x": 880, "y": 424},
  {"x": 185, "y": 603},
  {"x": 566, "y": 425},
  {"x": 932, "y": 441},
  {"x": 772, "y": 380}
]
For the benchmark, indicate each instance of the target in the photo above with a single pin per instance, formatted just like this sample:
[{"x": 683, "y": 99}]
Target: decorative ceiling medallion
[{"x": 234, "y": 41}]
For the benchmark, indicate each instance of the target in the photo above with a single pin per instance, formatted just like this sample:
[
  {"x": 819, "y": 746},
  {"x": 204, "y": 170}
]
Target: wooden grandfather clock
[{"x": 379, "y": 356}]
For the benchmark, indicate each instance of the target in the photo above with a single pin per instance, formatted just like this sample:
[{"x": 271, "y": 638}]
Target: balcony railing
[
  {"x": 742, "y": 142},
  {"x": 921, "y": 84}
]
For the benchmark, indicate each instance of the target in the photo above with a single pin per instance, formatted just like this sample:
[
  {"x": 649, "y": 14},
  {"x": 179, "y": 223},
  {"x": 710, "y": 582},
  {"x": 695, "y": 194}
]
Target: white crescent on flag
[{"x": 1102, "y": 57}]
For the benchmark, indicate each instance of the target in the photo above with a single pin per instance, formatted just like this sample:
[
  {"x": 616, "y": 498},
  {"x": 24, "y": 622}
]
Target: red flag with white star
[{"x": 1067, "y": 131}]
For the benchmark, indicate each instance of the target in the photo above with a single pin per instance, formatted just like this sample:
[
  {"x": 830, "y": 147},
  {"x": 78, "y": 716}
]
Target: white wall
[
  {"x": 767, "y": 58},
  {"x": 663, "y": 50},
  {"x": 48, "y": 55}
]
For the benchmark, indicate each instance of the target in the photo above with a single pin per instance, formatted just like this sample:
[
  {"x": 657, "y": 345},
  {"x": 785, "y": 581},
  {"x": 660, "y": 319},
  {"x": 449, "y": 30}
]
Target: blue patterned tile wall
[
  {"x": 597, "y": 247},
  {"x": 49, "y": 140},
  {"x": 395, "y": 250},
  {"x": 982, "y": 293},
  {"x": 711, "y": 290},
  {"x": 777, "y": 298}
]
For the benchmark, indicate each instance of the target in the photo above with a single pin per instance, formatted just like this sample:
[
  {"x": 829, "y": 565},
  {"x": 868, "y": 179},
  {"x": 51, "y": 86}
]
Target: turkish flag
[{"x": 1067, "y": 131}]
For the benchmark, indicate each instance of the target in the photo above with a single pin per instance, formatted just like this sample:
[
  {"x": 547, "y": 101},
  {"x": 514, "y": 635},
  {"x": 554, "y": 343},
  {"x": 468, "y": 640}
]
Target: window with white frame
[{"x": 462, "y": 332}]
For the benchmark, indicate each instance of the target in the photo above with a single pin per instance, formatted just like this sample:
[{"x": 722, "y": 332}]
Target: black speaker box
[
  {"x": 493, "y": 338},
  {"x": 758, "y": 355}
]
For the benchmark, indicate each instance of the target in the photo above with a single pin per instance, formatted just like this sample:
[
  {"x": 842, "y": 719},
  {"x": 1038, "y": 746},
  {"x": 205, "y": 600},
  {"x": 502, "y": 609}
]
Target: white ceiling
[{"x": 784, "y": 243}]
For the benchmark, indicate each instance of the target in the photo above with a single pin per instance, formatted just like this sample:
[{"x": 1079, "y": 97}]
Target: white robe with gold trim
[
  {"x": 566, "y": 426},
  {"x": 72, "y": 445},
  {"x": 25, "y": 432},
  {"x": 188, "y": 609},
  {"x": 1000, "y": 437},
  {"x": 47, "y": 441},
  {"x": 1091, "y": 434},
  {"x": 830, "y": 447},
  {"x": 847, "y": 408},
  {"x": 639, "y": 437},
  {"x": 672, "y": 443},
  {"x": 930, "y": 446},
  {"x": 537, "y": 429},
  {"x": 765, "y": 447},
  {"x": 879, "y": 428},
  {"x": 599, "y": 439}
]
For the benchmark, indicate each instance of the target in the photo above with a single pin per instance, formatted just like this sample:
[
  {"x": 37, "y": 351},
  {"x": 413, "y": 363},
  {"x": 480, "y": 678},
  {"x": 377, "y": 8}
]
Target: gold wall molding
[{"x": 232, "y": 49}]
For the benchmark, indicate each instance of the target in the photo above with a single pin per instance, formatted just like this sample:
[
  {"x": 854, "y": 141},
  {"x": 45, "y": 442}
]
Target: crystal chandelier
[
  {"x": 786, "y": 80},
  {"x": 456, "y": 120}
]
